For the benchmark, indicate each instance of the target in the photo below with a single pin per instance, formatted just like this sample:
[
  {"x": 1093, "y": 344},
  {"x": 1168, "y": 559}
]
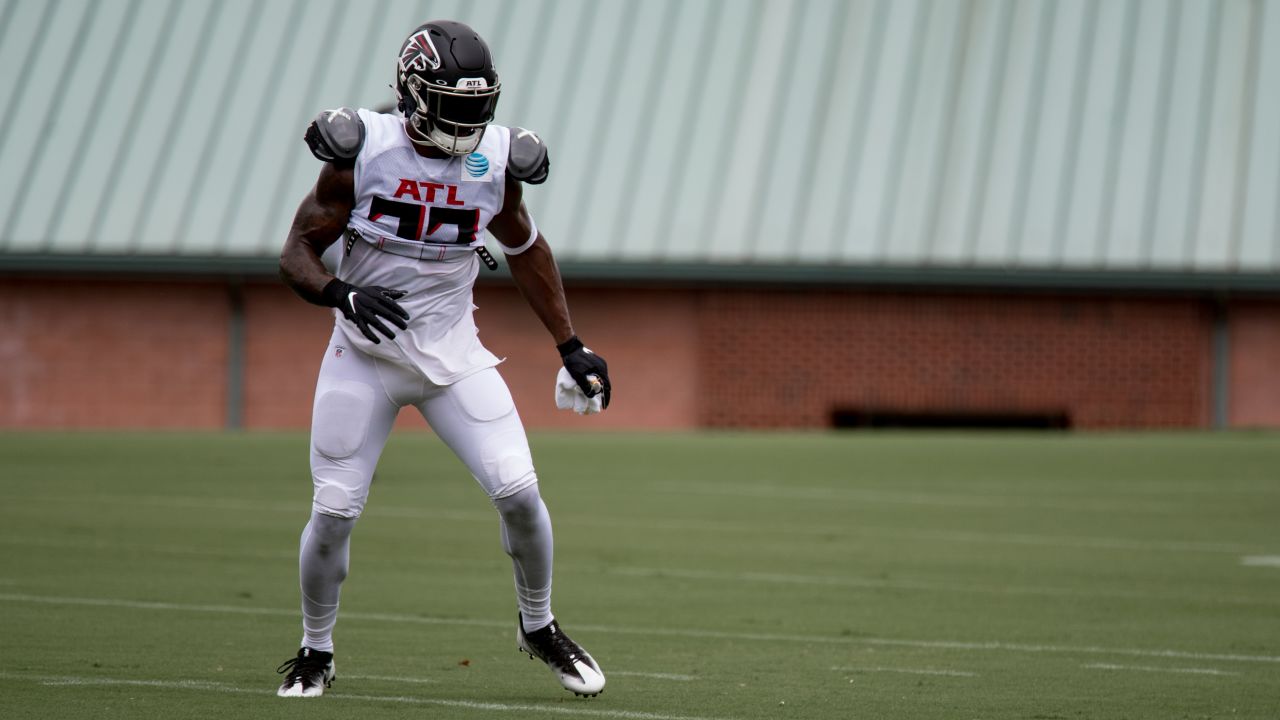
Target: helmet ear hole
[{"x": 404, "y": 99}]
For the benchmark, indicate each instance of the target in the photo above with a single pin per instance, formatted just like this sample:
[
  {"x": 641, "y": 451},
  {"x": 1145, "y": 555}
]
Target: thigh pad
[{"x": 342, "y": 415}]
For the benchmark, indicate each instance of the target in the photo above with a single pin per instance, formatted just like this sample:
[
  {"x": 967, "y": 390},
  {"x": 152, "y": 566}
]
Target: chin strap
[{"x": 425, "y": 140}]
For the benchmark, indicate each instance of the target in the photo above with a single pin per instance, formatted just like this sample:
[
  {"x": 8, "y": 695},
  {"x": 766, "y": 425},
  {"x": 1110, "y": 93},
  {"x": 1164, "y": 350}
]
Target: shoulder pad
[
  {"x": 335, "y": 135},
  {"x": 527, "y": 160}
]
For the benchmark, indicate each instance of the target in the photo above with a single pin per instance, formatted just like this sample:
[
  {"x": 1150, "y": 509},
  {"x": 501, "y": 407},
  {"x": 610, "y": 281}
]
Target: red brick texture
[
  {"x": 83, "y": 353},
  {"x": 284, "y": 342},
  {"x": 789, "y": 358},
  {"x": 1254, "y": 367},
  {"x": 116, "y": 353}
]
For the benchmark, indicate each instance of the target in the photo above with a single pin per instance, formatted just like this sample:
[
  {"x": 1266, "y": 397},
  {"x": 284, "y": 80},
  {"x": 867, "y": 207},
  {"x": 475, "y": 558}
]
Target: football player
[{"x": 411, "y": 195}]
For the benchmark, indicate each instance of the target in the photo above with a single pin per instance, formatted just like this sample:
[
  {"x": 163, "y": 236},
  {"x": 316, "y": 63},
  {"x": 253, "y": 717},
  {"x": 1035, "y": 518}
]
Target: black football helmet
[{"x": 446, "y": 86}]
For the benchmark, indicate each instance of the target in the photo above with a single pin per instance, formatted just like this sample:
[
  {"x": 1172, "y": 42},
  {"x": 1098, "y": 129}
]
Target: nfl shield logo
[{"x": 338, "y": 350}]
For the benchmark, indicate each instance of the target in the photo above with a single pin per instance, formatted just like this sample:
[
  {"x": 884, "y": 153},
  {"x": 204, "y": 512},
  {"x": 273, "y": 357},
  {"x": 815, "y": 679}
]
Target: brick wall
[
  {"x": 96, "y": 353},
  {"x": 1254, "y": 368},
  {"x": 114, "y": 353},
  {"x": 789, "y": 358}
]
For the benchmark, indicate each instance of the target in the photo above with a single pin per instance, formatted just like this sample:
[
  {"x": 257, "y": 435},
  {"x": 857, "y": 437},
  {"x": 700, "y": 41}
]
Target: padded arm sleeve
[
  {"x": 527, "y": 160},
  {"x": 336, "y": 135}
]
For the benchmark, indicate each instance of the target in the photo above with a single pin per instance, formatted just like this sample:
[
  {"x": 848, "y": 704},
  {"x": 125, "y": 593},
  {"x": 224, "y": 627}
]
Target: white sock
[
  {"x": 322, "y": 566},
  {"x": 526, "y": 536}
]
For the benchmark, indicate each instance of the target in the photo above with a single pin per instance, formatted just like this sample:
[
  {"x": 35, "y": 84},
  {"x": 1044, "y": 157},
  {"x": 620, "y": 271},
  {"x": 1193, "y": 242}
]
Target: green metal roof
[{"x": 843, "y": 138}]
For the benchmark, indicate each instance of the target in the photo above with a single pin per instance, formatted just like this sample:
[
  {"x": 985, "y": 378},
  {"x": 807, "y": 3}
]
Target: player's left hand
[{"x": 589, "y": 370}]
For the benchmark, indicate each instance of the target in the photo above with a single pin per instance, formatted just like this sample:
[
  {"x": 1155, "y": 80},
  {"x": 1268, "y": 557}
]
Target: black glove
[
  {"x": 588, "y": 369},
  {"x": 367, "y": 307}
]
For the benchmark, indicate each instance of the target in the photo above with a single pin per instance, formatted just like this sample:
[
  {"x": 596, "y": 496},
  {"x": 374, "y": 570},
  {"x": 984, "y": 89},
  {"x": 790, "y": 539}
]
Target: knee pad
[
  {"x": 340, "y": 423},
  {"x": 335, "y": 498},
  {"x": 508, "y": 464},
  {"x": 520, "y": 507},
  {"x": 329, "y": 532}
]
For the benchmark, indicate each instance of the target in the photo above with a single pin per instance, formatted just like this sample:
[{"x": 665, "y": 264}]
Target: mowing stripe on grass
[
  {"x": 666, "y": 632},
  {"x": 1148, "y": 668},
  {"x": 927, "y": 499},
  {"x": 780, "y": 578},
  {"x": 907, "y": 671},
  {"x": 195, "y": 551},
  {"x": 700, "y": 525},
  {"x": 71, "y": 680}
]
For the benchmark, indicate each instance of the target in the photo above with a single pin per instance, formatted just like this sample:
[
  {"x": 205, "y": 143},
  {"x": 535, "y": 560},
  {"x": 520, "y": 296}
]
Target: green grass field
[{"x": 713, "y": 576}]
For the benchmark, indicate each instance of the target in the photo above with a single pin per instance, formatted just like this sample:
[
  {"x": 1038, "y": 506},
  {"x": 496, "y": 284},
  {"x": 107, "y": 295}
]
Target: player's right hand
[{"x": 367, "y": 307}]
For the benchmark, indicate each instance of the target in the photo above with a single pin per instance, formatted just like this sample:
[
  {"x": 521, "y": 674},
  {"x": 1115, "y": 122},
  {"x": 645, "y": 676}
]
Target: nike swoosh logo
[{"x": 351, "y": 300}]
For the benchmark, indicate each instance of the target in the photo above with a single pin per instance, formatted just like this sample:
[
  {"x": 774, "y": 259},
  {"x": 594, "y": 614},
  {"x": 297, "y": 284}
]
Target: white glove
[{"x": 570, "y": 397}]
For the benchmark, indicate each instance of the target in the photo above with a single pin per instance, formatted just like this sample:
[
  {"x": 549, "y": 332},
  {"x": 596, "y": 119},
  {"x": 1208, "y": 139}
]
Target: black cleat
[
  {"x": 306, "y": 675},
  {"x": 573, "y": 666}
]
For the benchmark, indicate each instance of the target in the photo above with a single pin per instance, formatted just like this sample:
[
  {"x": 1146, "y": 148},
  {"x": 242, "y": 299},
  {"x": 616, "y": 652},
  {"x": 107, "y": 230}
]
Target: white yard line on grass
[
  {"x": 64, "y": 680},
  {"x": 878, "y": 584},
  {"x": 388, "y": 678},
  {"x": 1076, "y": 542},
  {"x": 1261, "y": 561},
  {"x": 907, "y": 671},
  {"x": 612, "y": 673},
  {"x": 1148, "y": 668},
  {"x": 656, "y": 676},
  {"x": 992, "y": 645}
]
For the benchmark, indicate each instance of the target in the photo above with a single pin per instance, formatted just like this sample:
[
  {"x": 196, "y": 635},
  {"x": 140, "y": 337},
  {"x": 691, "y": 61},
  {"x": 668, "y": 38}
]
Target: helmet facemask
[{"x": 451, "y": 119}]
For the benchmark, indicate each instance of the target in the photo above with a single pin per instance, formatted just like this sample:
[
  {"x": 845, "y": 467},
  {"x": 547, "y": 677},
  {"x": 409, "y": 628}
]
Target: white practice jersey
[{"x": 443, "y": 205}]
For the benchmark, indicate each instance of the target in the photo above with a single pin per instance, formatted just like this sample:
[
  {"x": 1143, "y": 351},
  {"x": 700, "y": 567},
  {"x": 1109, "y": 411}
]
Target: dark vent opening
[{"x": 863, "y": 418}]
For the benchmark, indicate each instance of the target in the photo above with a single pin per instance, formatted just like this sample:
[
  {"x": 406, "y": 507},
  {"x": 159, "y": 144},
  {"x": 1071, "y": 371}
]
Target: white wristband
[{"x": 533, "y": 237}]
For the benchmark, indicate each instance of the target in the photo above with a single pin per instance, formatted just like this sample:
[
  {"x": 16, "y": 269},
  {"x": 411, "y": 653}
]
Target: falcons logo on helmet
[{"x": 419, "y": 52}]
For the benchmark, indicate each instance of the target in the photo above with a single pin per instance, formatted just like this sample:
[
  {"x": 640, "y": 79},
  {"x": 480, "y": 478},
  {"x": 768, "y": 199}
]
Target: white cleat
[
  {"x": 574, "y": 667},
  {"x": 306, "y": 675}
]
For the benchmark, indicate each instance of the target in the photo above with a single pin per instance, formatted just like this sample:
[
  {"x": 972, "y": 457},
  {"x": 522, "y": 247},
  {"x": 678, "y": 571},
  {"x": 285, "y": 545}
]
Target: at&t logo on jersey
[{"x": 475, "y": 167}]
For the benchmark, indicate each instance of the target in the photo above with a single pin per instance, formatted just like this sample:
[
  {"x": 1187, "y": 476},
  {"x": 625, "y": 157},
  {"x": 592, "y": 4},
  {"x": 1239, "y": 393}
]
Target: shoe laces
[
  {"x": 563, "y": 650},
  {"x": 300, "y": 665}
]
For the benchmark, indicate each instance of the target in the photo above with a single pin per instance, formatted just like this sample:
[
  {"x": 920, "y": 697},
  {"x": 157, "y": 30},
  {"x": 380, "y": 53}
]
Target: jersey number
[{"x": 411, "y": 215}]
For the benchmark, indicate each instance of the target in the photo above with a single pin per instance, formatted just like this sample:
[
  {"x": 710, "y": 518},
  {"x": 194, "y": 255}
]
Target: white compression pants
[{"x": 357, "y": 400}]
